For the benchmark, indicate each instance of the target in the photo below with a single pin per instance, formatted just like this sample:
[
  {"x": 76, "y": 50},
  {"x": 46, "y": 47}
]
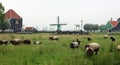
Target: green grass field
[{"x": 57, "y": 52}]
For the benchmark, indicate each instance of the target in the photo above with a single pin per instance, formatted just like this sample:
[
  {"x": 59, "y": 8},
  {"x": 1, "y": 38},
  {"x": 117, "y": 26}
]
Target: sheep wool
[
  {"x": 74, "y": 45},
  {"x": 37, "y": 42},
  {"x": 105, "y": 36},
  {"x": 95, "y": 46},
  {"x": 91, "y": 48},
  {"x": 55, "y": 37},
  {"x": 118, "y": 48}
]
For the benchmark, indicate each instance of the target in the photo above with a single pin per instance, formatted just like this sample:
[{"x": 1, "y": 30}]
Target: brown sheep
[{"x": 16, "y": 41}]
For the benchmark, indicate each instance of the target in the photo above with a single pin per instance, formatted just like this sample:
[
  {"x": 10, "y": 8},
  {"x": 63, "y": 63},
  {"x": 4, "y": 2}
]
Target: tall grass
[{"x": 57, "y": 52}]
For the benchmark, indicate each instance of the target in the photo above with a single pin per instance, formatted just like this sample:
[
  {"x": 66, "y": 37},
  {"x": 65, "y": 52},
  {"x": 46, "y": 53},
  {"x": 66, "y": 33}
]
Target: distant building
[
  {"x": 30, "y": 29},
  {"x": 113, "y": 26},
  {"x": 14, "y": 19},
  {"x": 116, "y": 28}
]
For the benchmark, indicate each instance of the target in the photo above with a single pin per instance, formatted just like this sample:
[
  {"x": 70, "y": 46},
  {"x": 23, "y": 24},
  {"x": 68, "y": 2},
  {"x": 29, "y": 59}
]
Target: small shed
[{"x": 30, "y": 29}]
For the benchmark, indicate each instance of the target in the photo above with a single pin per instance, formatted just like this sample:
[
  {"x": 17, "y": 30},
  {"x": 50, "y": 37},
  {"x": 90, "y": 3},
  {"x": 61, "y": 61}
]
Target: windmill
[{"x": 58, "y": 25}]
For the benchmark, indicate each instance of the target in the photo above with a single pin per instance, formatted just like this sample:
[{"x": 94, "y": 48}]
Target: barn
[
  {"x": 110, "y": 24},
  {"x": 113, "y": 26},
  {"x": 116, "y": 28},
  {"x": 14, "y": 19}
]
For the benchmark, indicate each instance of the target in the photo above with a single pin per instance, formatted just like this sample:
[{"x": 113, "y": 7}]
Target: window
[{"x": 17, "y": 22}]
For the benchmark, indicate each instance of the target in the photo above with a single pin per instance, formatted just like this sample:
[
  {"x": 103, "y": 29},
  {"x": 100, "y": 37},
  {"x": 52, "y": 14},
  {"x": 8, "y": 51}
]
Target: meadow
[{"x": 57, "y": 52}]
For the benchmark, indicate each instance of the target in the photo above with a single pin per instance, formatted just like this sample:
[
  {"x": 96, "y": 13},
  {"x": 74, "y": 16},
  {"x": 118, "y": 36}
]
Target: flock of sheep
[
  {"x": 25, "y": 41},
  {"x": 19, "y": 41},
  {"x": 90, "y": 49}
]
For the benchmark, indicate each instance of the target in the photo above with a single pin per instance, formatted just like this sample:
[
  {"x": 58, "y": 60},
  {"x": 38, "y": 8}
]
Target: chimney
[{"x": 111, "y": 19}]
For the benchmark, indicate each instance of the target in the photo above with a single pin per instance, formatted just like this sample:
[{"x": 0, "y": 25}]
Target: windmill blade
[
  {"x": 53, "y": 24},
  {"x": 62, "y": 24}
]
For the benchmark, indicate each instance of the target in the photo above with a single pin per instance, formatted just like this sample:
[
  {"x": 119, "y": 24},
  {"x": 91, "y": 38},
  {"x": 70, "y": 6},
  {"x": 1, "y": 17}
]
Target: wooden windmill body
[{"x": 58, "y": 25}]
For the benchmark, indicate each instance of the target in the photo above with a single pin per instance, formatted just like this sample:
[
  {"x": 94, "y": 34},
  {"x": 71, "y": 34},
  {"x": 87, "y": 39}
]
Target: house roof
[
  {"x": 28, "y": 28},
  {"x": 11, "y": 14},
  {"x": 114, "y": 23}
]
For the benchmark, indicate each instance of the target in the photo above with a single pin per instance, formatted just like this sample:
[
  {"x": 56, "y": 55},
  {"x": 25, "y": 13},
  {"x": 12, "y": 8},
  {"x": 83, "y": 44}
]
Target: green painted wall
[{"x": 108, "y": 26}]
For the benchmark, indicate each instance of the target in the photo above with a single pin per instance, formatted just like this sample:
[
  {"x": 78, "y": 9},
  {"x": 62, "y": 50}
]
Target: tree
[
  {"x": 86, "y": 27},
  {"x": 91, "y": 27},
  {"x": 1, "y": 12},
  {"x": 96, "y": 27},
  {"x": 4, "y": 24},
  {"x": 102, "y": 28}
]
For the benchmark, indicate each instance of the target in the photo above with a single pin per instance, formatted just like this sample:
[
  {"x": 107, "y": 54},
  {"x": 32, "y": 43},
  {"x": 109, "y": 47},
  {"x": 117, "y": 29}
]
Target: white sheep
[
  {"x": 53, "y": 38},
  {"x": 105, "y": 36},
  {"x": 75, "y": 44},
  {"x": 118, "y": 48},
  {"x": 91, "y": 48},
  {"x": 37, "y": 42}
]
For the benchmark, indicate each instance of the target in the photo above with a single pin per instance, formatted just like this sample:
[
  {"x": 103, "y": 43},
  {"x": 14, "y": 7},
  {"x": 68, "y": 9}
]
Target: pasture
[{"x": 57, "y": 52}]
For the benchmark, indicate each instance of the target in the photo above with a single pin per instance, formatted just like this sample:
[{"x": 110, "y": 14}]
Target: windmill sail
[{"x": 58, "y": 24}]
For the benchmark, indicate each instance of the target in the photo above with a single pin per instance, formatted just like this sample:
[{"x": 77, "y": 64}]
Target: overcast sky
[{"x": 42, "y": 13}]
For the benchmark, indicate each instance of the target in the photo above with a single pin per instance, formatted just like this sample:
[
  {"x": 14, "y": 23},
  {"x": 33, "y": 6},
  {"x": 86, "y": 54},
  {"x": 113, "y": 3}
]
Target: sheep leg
[
  {"x": 96, "y": 51},
  {"x": 77, "y": 47}
]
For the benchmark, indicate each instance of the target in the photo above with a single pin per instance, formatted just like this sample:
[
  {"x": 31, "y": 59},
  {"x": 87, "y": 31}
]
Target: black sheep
[
  {"x": 113, "y": 39},
  {"x": 89, "y": 39},
  {"x": 26, "y": 41}
]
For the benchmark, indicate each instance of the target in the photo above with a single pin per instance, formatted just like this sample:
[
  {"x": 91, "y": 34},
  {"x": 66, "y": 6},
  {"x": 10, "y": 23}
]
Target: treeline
[{"x": 94, "y": 27}]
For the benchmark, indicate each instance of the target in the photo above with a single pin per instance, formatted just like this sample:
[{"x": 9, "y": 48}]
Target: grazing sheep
[
  {"x": 118, "y": 48},
  {"x": 53, "y": 38},
  {"x": 75, "y": 44},
  {"x": 113, "y": 39},
  {"x": 16, "y": 41},
  {"x": 105, "y": 36},
  {"x": 3, "y": 41},
  {"x": 26, "y": 41},
  {"x": 91, "y": 48},
  {"x": 89, "y": 39},
  {"x": 37, "y": 42}
]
